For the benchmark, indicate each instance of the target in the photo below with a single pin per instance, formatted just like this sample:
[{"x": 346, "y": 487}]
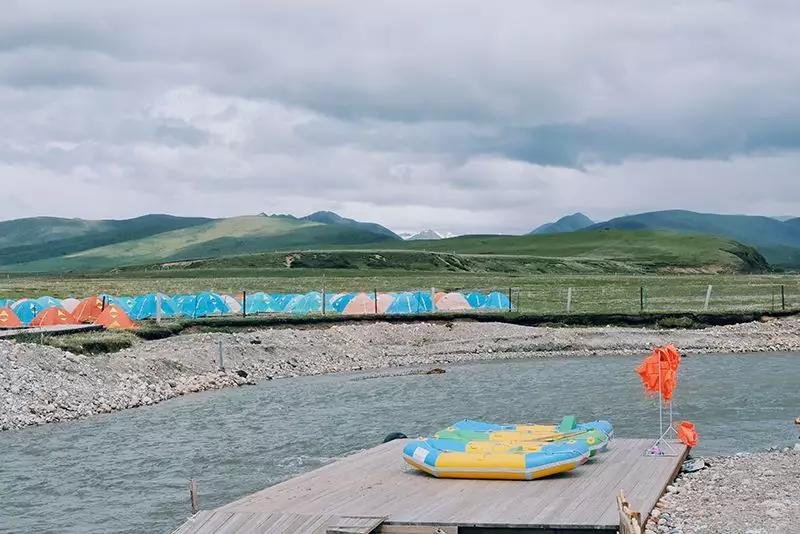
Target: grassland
[{"x": 538, "y": 294}]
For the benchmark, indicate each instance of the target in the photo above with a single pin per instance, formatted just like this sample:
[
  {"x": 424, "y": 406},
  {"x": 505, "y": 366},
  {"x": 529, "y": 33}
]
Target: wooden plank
[
  {"x": 377, "y": 483},
  {"x": 354, "y": 525}
]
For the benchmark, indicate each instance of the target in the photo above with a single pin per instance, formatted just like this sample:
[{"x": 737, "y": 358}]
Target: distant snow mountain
[{"x": 426, "y": 234}]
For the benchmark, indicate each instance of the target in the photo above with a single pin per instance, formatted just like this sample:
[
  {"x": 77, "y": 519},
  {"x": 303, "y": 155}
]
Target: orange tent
[
  {"x": 114, "y": 317},
  {"x": 88, "y": 310},
  {"x": 452, "y": 302},
  {"x": 361, "y": 304},
  {"x": 659, "y": 371},
  {"x": 9, "y": 319},
  {"x": 53, "y": 317}
]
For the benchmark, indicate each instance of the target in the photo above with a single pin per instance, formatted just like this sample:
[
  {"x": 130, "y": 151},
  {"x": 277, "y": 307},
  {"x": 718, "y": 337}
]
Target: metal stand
[{"x": 662, "y": 446}]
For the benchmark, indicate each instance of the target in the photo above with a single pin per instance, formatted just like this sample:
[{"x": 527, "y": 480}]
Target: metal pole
[
  {"x": 783, "y": 298},
  {"x": 375, "y": 294},
  {"x": 641, "y": 299},
  {"x": 103, "y": 305},
  {"x": 509, "y": 299},
  {"x": 244, "y": 303}
]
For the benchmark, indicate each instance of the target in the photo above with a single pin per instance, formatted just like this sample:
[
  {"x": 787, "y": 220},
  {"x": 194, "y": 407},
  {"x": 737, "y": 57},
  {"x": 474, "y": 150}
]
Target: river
[{"x": 128, "y": 471}]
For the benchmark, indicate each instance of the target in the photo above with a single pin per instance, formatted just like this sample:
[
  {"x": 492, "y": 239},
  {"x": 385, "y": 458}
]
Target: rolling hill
[
  {"x": 775, "y": 239},
  {"x": 38, "y": 238},
  {"x": 579, "y": 252},
  {"x": 223, "y": 237},
  {"x": 569, "y": 223},
  {"x": 328, "y": 217}
]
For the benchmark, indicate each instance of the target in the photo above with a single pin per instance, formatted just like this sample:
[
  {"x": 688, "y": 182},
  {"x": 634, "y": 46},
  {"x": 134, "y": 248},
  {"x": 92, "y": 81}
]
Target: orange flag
[
  {"x": 687, "y": 434},
  {"x": 659, "y": 371}
]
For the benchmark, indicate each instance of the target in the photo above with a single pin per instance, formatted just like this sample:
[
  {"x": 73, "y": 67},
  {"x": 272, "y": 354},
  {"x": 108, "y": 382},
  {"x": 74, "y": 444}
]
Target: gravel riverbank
[
  {"x": 41, "y": 384},
  {"x": 745, "y": 493}
]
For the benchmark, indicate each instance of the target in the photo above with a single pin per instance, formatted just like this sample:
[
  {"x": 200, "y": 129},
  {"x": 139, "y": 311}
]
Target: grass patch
[{"x": 100, "y": 342}]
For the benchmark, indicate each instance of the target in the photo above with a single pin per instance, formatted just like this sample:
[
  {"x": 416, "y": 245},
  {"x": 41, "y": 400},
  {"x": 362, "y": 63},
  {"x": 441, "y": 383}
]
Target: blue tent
[
  {"x": 26, "y": 310},
  {"x": 184, "y": 304},
  {"x": 404, "y": 303},
  {"x": 210, "y": 304},
  {"x": 48, "y": 302},
  {"x": 283, "y": 302},
  {"x": 339, "y": 302},
  {"x": 309, "y": 303},
  {"x": 476, "y": 299},
  {"x": 126, "y": 303},
  {"x": 496, "y": 301},
  {"x": 258, "y": 303},
  {"x": 424, "y": 301},
  {"x": 145, "y": 307}
]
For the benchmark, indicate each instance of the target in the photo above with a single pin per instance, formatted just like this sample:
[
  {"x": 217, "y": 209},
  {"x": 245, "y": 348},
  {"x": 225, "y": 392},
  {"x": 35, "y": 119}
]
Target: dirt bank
[
  {"x": 745, "y": 493},
  {"x": 40, "y": 384}
]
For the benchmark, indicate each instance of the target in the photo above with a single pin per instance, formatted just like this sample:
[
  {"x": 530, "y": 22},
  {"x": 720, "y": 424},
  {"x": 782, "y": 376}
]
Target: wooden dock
[{"x": 374, "y": 491}]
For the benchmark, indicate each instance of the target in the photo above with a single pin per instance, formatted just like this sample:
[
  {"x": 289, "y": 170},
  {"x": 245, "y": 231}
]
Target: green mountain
[
  {"x": 774, "y": 239},
  {"x": 579, "y": 252},
  {"x": 223, "y": 237},
  {"x": 39, "y": 238},
  {"x": 570, "y": 223},
  {"x": 329, "y": 217}
]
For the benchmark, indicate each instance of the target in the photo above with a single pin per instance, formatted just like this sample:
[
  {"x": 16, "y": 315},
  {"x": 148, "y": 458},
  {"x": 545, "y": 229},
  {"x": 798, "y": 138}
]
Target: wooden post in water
[
  {"x": 569, "y": 300},
  {"x": 193, "y": 495},
  {"x": 708, "y": 297},
  {"x": 244, "y": 303},
  {"x": 221, "y": 361}
]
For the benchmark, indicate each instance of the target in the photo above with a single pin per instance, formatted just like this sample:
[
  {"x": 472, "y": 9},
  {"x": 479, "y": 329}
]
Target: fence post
[
  {"x": 783, "y": 298},
  {"x": 158, "y": 308},
  {"x": 193, "y": 495},
  {"x": 708, "y": 297},
  {"x": 569, "y": 300},
  {"x": 244, "y": 303}
]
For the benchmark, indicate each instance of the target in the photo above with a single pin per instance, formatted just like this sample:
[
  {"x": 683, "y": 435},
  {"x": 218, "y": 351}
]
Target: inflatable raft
[
  {"x": 594, "y": 435},
  {"x": 445, "y": 458}
]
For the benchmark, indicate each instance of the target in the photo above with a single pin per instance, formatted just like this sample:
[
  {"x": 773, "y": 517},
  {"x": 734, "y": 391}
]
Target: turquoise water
[{"x": 128, "y": 471}]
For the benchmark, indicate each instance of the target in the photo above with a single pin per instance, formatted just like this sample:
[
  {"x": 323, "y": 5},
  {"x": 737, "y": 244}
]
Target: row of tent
[{"x": 121, "y": 312}]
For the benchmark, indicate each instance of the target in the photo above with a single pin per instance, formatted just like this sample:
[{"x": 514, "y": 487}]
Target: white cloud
[{"x": 461, "y": 116}]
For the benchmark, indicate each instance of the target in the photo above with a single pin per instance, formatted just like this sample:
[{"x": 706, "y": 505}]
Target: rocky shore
[
  {"x": 41, "y": 384},
  {"x": 746, "y": 493}
]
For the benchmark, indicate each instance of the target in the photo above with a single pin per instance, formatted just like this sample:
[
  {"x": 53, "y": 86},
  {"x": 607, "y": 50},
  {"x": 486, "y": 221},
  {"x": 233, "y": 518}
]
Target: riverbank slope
[{"x": 40, "y": 384}]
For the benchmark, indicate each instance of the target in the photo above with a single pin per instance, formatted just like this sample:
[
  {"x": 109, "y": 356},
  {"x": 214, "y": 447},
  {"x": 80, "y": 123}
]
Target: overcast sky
[{"x": 456, "y": 115}]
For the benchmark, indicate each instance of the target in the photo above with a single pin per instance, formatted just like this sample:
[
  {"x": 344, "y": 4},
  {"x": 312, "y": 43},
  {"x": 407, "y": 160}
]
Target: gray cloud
[{"x": 461, "y": 116}]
